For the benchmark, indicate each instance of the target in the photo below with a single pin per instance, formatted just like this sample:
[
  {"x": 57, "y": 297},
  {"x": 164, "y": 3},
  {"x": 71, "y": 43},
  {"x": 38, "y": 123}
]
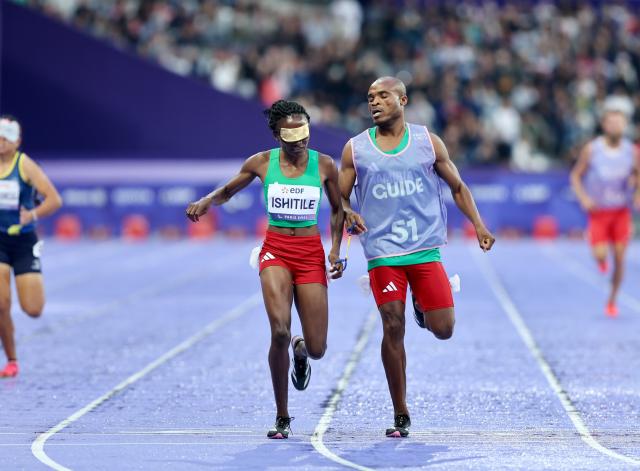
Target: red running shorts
[
  {"x": 303, "y": 256},
  {"x": 429, "y": 284}
]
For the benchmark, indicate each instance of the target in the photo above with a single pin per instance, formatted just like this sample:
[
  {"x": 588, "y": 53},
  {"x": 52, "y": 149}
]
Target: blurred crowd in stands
[{"x": 519, "y": 84}]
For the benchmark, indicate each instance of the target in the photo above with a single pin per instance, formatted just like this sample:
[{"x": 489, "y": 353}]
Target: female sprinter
[
  {"x": 20, "y": 177},
  {"x": 292, "y": 266}
]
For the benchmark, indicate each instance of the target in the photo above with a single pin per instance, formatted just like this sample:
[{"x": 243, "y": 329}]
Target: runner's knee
[
  {"x": 280, "y": 336},
  {"x": 443, "y": 329},
  {"x": 315, "y": 351},
  {"x": 392, "y": 322},
  {"x": 441, "y": 322},
  {"x": 32, "y": 309},
  {"x": 443, "y": 333}
]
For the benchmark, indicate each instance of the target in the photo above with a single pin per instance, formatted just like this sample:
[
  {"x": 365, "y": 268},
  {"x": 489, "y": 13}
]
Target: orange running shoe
[
  {"x": 10, "y": 370},
  {"x": 611, "y": 310}
]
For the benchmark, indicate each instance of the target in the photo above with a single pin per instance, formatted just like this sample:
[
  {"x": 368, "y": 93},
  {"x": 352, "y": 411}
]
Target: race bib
[
  {"x": 9, "y": 194},
  {"x": 292, "y": 202}
]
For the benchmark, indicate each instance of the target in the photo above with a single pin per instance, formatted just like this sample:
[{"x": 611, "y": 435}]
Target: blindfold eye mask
[
  {"x": 10, "y": 130},
  {"x": 294, "y": 134}
]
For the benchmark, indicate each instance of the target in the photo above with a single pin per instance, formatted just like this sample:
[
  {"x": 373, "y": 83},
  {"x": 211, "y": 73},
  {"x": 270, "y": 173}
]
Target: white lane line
[
  {"x": 189, "y": 432},
  {"x": 539, "y": 434},
  {"x": 146, "y": 432},
  {"x": 37, "y": 447},
  {"x": 494, "y": 438},
  {"x": 525, "y": 334},
  {"x": 257, "y": 440},
  {"x": 330, "y": 409},
  {"x": 585, "y": 274}
]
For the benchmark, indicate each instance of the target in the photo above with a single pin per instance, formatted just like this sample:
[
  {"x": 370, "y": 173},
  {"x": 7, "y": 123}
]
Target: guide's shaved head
[
  {"x": 387, "y": 98},
  {"x": 391, "y": 83}
]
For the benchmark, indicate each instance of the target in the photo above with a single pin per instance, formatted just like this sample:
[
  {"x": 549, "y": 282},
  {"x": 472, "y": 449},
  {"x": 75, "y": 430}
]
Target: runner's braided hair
[{"x": 281, "y": 109}]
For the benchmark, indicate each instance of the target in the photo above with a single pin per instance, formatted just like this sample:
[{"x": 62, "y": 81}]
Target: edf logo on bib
[
  {"x": 292, "y": 190},
  {"x": 397, "y": 189}
]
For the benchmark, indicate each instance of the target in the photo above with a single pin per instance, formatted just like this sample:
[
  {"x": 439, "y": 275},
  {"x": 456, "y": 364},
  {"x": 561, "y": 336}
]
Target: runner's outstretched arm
[
  {"x": 463, "y": 198},
  {"x": 221, "y": 195}
]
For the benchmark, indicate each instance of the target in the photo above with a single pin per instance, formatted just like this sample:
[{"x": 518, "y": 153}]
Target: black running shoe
[
  {"x": 301, "y": 371},
  {"x": 281, "y": 429},
  {"x": 417, "y": 314},
  {"x": 400, "y": 427}
]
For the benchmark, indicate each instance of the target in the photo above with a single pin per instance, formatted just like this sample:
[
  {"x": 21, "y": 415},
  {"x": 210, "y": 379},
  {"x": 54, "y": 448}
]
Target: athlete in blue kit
[
  {"x": 20, "y": 177},
  {"x": 396, "y": 169}
]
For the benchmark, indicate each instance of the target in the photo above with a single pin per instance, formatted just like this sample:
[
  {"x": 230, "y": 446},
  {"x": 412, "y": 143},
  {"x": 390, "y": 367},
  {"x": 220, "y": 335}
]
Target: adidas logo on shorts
[
  {"x": 390, "y": 287},
  {"x": 267, "y": 257}
]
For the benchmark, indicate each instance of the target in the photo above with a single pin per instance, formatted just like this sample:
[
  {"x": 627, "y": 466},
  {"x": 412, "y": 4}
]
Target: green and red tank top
[{"x": 293, "y": 202}]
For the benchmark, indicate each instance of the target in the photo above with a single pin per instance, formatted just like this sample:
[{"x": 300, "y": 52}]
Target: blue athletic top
[
  {"x": 608, "y": 180},
  {"x": 399, "y": 196},
  {"x": 14, "y": 193}
]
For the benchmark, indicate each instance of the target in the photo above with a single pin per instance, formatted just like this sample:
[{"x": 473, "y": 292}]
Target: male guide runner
[
  {"x": 606, "y": 180},
  {"x": 396, "y": 169}
]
